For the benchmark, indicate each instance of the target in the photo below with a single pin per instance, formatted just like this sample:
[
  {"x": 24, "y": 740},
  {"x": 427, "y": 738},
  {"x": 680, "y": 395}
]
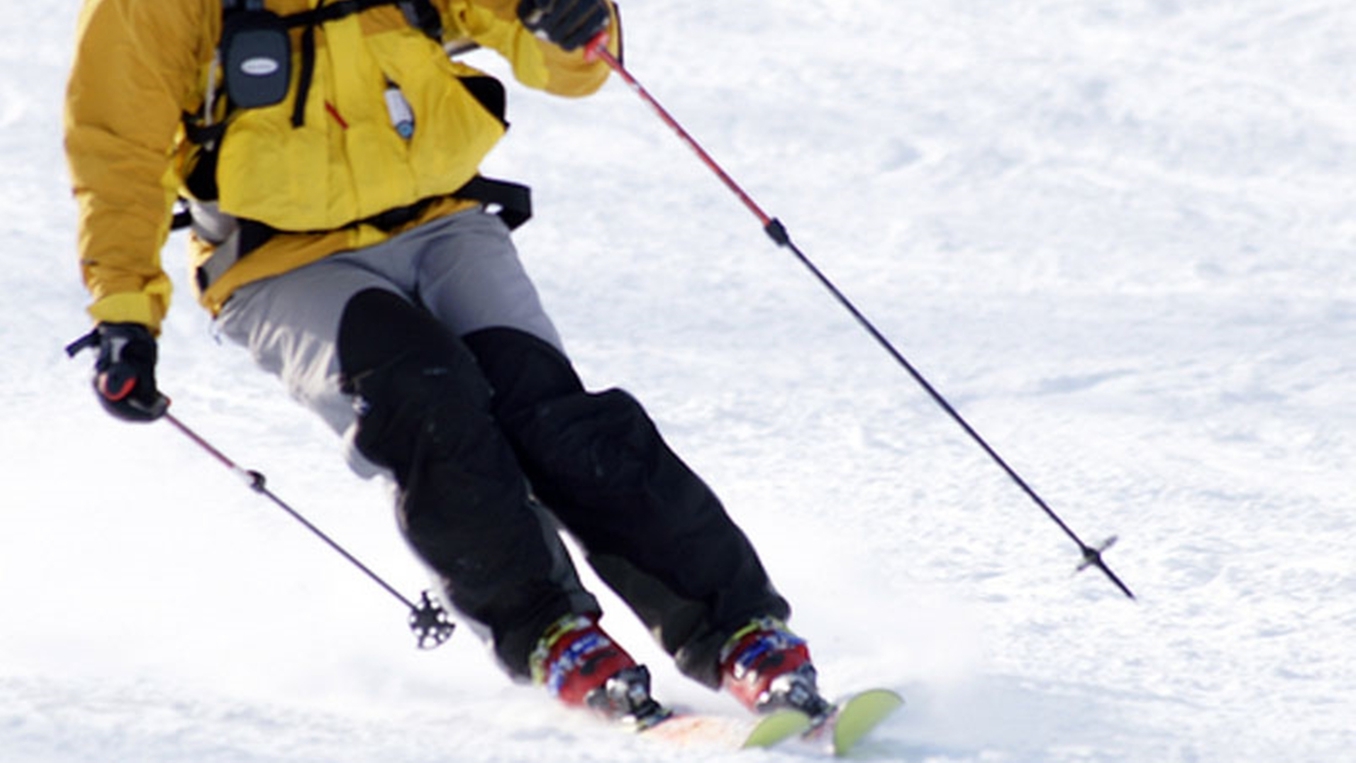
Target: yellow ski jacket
[{"x": 141, "y": 66}]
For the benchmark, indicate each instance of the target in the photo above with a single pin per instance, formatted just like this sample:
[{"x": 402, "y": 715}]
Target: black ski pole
[
  {"x": 1091, "y": 555},
  {"x": 428, "y": 620}
]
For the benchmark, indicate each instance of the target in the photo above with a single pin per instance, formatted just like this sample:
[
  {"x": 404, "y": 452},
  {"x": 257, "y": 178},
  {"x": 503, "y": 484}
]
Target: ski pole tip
[
  {"x": 1092, "y": 557},
  {"x": 430, "y": 623}
]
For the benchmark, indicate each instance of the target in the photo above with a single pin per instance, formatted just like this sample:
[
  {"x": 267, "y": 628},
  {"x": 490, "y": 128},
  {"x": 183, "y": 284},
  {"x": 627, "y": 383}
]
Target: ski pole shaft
[
  {"x": 1092, "y": 556},
  {"x": 248, "y": 476},
  {"x": 599, "y": 49},
  {"x": 258, "y": 483},
  {"x": 427, "y": 619}
]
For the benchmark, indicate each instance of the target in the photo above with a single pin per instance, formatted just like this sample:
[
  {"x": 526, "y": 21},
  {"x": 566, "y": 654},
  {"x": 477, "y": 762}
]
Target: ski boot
[
  {"x": 625, "y": 697},
  {"x": 580, "y": 665},
  {"x": 767, "y": 668}
]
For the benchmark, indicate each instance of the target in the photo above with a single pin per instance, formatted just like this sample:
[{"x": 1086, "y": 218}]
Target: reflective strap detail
[
  {"x": 220, "y": 230},
  {"x": 511, "y": 201}
]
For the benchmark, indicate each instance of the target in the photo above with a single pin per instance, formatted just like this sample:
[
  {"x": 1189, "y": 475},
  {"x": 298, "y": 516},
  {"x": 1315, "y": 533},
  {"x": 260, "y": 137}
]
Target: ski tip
[
  {"x": 861, "y": 713},
  {"x": 877, "y": 697}
]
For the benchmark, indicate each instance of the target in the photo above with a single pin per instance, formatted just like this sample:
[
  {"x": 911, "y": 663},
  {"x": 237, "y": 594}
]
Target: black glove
[
  {"x": 124, "y": 374},
  {"x": 567, "y": 23}
]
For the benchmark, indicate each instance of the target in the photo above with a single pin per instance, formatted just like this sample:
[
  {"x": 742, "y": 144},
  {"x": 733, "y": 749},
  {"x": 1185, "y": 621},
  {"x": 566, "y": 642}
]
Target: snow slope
[{"x": 1119, "y": 236}]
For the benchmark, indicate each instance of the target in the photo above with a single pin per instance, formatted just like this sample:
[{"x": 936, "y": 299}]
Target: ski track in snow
[{"x": 1118, "y": 236}]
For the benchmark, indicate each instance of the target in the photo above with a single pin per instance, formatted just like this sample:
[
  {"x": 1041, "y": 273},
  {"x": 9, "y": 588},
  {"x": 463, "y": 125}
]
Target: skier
[{"x": 328, "y": 152}]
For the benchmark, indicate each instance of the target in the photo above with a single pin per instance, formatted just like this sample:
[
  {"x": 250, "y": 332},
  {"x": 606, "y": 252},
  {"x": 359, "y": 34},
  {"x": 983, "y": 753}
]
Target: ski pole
[
  {"x": 1091, "y": 555},
  {"x": 427, "y": 620}
]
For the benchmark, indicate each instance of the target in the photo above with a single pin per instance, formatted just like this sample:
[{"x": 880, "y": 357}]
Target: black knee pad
[
  {"x": 566, "y": 436},
  {"x": 522, "y": 369},
  {"x": 379, "y": 326},
  {"x": 421, "y": 395},
  {"x": 593, "y": 442}
]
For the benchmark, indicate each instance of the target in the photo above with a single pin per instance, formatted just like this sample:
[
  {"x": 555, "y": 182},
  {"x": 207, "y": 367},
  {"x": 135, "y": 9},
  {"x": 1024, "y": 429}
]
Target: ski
[
  {"x": 855, "y": 717},
  {"x": 625, "y": 700},
  {"x": 851, "y": 720},
  {"x": 777, "y": 727},
  {"x": 709, "y": 730}
]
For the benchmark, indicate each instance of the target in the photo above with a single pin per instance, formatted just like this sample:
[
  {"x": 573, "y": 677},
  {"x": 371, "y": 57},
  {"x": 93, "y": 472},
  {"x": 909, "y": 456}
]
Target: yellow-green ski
[
  {"x": 858, "y": 715},
  {"x": 777, "y": 727},
  {"x": 852, "y": 719}
]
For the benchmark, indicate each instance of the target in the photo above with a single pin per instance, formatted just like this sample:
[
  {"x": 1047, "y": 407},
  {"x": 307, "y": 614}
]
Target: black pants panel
[
  {"x": 464, "y": 506},
  {"x": 652, "y": 529}
]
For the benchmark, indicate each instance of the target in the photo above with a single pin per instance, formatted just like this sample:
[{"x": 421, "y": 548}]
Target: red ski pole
[
  {"x": 597, "y": 48},
  {"x": 1092, "y": 555}
]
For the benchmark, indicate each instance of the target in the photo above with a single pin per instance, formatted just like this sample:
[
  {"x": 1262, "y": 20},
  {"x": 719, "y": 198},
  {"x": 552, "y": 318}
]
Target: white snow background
[{"x": 1119, "y": 235}]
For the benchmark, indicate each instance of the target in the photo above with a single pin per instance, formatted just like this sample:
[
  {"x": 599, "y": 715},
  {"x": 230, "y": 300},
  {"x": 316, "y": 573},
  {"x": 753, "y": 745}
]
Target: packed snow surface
[{"x": 1120, "y": 237}]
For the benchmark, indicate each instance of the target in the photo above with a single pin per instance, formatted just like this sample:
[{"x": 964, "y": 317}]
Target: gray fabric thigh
[
  {"x": 463, "y": 268},
  {"x": 290, "y": 326},
  {"x": 470, "y": 278}
]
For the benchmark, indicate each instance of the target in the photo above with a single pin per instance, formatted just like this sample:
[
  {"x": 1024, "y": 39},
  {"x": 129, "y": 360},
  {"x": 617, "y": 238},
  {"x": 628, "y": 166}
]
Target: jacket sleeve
[
  {"x": 135, "y": 68},
  {"x": 536, "y": 63}
]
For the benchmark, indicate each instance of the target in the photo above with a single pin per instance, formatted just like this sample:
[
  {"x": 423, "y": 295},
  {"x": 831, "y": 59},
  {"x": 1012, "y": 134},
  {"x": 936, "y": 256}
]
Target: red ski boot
[
  {"x": 580, "y": 664},
  {"x": 767, "y": 667}
]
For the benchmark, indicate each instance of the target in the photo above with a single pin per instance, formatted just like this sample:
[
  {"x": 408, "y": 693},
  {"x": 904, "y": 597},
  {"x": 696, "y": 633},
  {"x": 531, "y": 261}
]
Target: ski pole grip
[{"x": 597, "y": 48}]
